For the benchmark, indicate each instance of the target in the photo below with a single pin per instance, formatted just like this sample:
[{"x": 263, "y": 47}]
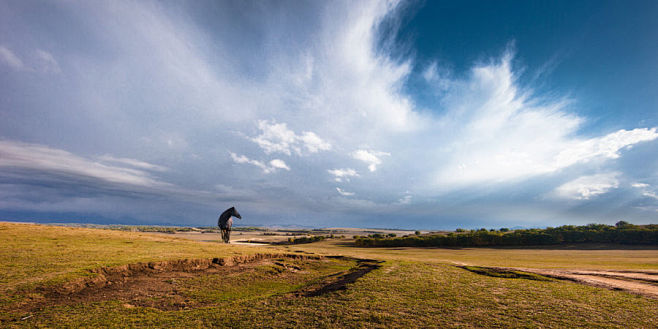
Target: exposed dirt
[
  {"x": 643, "y": 283},
  {"x": 149, "y": 284},
  {"x": 155, "y": 285},
  {"x": 339, "y": 281}
]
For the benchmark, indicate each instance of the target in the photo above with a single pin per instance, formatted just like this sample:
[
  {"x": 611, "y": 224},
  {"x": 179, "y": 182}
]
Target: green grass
[
  {"x": 568, "y": 257},
  {"x": 401, "y": 294},
  {"x": 37, "y": 253},
  {"x": 413, "y": 288}
]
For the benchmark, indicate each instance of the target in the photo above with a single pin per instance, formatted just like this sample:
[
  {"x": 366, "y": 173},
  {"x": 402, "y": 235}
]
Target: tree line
[{"x": 620, "y": 233}]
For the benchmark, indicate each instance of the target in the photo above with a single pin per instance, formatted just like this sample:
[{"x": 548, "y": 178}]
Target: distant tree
[
  {"x": 504, "y": 229},
  {"x": 460, "y": 230},
  {"x": 622, "y": 223},
  {"x": 392, "y": 235},
  {"x": 483, "y": 229},
  {"x": 417, "y": 232}
]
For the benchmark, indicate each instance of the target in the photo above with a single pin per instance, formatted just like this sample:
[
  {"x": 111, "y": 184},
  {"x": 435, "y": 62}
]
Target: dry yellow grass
[{"x": 414, "y": 288}]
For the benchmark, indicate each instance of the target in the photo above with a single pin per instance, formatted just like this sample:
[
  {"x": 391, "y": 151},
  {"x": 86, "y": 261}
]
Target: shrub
[{"x": 592, "y": 233}]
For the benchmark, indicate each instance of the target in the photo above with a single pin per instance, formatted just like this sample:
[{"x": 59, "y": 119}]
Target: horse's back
[{"x": 224, "y": 220}]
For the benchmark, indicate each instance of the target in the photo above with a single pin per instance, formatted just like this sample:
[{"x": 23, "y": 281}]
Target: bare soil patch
[
  {"x": 160, "y": 285},
  {"x": 641, "y": 282},
  {"x": 150, "y": 284}
]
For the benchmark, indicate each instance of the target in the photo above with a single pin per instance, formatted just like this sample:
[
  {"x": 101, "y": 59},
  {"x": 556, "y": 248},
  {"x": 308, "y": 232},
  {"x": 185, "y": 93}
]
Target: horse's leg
[{"x": 228, "y": 236}]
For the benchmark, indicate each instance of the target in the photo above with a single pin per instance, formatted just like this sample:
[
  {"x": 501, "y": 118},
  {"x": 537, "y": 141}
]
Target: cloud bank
[{"x": 200, "y": 106}]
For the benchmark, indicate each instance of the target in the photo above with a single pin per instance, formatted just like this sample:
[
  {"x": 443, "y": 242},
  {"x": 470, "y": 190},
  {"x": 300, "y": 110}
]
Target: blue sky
[{"x": 432, "y": 115}]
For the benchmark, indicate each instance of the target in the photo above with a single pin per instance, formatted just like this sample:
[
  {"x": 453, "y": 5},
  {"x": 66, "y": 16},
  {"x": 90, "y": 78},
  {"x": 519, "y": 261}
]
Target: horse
[{"x": 225, "y": 222}]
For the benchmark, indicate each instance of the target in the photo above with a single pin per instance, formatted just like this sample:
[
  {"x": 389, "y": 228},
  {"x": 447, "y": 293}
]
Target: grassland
[{"x": 413, "y": 287}]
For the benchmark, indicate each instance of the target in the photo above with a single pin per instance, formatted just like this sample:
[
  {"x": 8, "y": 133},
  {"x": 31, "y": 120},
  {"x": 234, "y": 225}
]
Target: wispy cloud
[
  {"x": 132, "y": 162},
  {"x": 41, "y": 61},
  {"x": 495, "y": 132},
  {"x": 9, "y": 58},
  {"x": 646, "y": 190},
  {"x": 405, "y": 200},
  {"x": 45, "y": 62},
  {"x": 344, "y": 193},
  {"x": 586, "y": 187},
  {"x": 42, "y": 158}
]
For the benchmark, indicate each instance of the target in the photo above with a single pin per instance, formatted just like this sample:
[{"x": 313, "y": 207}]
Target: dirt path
[{"x": 641, "y": 282}]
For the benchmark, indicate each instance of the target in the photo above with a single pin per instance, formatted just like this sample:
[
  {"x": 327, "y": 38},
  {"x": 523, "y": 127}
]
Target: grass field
[{"x": 411, "y": 287}]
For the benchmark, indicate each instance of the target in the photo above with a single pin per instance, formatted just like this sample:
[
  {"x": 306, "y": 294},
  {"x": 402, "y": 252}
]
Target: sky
[{"x": 388, "y": 114}]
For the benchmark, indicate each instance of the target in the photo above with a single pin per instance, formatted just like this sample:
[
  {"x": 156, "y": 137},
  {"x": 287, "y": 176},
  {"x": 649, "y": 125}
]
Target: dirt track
[
  {"x": 639, "y": 282},
  {"x": 643, "y": 282}
]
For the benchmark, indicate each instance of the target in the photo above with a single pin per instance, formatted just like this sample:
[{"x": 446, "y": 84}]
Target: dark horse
[{"x": 225, "y": 222}]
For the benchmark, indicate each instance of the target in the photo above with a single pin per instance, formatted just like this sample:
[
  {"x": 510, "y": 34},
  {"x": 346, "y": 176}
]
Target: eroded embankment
[
  {"x": 162, "y": 285},
  {"x": 107, "y": 276}
]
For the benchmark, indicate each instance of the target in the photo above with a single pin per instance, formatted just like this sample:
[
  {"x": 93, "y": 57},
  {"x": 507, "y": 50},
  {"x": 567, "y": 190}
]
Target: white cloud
[
  {"x": 273, "y": 165},
  {"x": 9, "y": 58},
  {"x": 494, "y": 132},
  {"x": 372, "y": 158},
  {"x": 330, "y": 87},
  {"x": 313, "y": 143},
  {"x": 607, "y": 146},
  {"x": 344, "y": 193},
  {"x": 646, "y": 190},
  {"x": 132, "y": 162},
  {"x": 586, "y": 187},
  {"x": 343, "y": 174},
  {"x": 278, "y": 163},
  {"x": 650, "y": 194},
  {"x": 276, "y": 137},
  {"x": 44, "y": 158}
]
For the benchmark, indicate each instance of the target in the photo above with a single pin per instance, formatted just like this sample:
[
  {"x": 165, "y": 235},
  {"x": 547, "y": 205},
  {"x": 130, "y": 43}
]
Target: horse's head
[{"x": 236, "y": 213}]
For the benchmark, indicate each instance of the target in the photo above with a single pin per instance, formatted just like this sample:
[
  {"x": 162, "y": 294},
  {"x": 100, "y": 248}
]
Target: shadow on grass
[{"x": 503, "y": 273}]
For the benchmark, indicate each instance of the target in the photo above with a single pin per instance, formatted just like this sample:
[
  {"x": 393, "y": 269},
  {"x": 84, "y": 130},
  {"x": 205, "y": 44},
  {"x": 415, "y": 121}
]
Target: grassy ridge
[
  {"x": 33, "y": 253},
  {"x": 622, "y": 233}
]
